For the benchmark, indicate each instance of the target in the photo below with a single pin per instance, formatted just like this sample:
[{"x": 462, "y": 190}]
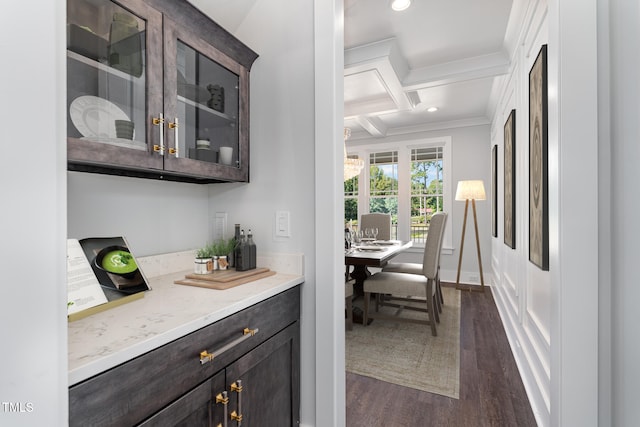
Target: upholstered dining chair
[
  {"x": 410, "y": 291},
  {"x": 379, "y": 220},
  {"x": 416, "y": 268}
]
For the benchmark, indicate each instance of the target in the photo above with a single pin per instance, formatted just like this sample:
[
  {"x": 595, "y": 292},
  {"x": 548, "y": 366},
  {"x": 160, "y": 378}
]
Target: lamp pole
[{"x": 472, "y": 194}]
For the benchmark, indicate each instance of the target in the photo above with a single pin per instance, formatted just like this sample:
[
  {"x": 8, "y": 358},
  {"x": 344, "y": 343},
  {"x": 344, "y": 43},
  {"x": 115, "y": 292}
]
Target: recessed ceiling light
[
  {"x": 432, "y": 109},
  {"x": 399, "y": 5}
]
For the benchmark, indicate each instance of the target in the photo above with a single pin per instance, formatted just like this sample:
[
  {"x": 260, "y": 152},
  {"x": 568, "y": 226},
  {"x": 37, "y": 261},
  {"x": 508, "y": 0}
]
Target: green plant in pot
[
  {"x": 223, "y": 248},
  {"x": 204, "y": 260}
]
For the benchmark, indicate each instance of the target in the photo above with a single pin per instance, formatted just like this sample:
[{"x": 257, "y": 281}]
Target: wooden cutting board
[{"x": 225, "y": 279}]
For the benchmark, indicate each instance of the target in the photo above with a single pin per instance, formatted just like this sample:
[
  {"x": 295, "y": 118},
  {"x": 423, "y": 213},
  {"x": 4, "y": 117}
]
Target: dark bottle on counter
[
  {"x": 242, "y": 257},
  {"x": 251, "y": 246},
  {"x": 236, "y": 240}
]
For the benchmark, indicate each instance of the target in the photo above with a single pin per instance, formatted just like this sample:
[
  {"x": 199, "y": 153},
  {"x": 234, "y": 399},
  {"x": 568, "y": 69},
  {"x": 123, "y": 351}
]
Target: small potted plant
[
  {"x": 204, "y": 261},
  {"x": 222, "y": 250}
]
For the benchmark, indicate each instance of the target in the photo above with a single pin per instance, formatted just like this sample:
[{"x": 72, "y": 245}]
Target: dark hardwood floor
[{"x": 491, "y": 390}]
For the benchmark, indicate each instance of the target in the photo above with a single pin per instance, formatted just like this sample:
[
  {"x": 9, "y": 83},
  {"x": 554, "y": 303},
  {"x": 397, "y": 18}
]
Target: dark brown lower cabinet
[{"x": 252, "y": 382}]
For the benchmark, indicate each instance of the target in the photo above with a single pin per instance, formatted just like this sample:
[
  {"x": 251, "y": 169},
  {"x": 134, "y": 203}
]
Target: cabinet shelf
[
  {"x": 102, "y": 67},
  {"x": 202, "y": 107}
]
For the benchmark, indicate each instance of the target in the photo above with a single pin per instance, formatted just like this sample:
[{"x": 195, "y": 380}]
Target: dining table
[
  {"x": 371, "y": 254},
  {"x": 366, "y": 254}
]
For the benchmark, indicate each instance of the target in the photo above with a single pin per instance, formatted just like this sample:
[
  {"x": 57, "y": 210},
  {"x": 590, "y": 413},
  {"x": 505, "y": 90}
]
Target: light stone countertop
[{"x": 167, "y": 312}]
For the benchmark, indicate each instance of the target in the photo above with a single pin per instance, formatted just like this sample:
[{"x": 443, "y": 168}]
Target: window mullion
[{"x": 404, "y": 193}]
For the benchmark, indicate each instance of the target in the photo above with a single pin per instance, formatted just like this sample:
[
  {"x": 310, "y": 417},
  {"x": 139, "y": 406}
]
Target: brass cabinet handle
[
  {"x": 175, "y": 125},
  {"x": 237, "y": 416},
  {"x": 206, "y": 357},
  {"x": 224, "y": 400},
  {"x": 159, "y": 121}
]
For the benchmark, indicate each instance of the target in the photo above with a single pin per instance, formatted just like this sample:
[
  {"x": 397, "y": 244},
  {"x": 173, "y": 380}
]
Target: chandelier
[{"x": 352, "y": 167}]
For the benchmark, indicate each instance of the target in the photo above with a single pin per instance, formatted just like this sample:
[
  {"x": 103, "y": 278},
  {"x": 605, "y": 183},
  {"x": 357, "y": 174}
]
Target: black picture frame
[
  {"x": 494, "y": 191},
  {"x": 538, "y": 163},
  {"x": 510, "y": 180}
]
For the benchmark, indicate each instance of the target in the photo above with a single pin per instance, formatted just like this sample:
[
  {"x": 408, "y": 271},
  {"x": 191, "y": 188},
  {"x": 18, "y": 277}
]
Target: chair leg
[
  {"x": 430, "y": 307},
  {"x": 436, "y": 309},
  {"x": 365, "y": 316},
  {"x": 349, "y": 307},
  {"x": 438, "y": 287},
  {"x": 437, "y": 300}
]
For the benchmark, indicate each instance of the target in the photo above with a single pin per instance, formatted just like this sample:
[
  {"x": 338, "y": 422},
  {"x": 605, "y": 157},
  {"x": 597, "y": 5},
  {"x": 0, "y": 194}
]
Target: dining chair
[
  {"x": 416, "y": 268},
  {"x": 379, "y": 220},
  {"x": 410, "y": 291}
]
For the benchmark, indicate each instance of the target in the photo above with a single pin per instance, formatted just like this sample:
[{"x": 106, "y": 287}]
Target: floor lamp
[{"x": 470, "y": 190}]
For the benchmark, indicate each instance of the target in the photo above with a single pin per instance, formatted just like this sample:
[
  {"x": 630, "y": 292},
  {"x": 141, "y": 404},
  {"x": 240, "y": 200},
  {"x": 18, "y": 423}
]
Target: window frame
[{"x": 404, "y": 182}]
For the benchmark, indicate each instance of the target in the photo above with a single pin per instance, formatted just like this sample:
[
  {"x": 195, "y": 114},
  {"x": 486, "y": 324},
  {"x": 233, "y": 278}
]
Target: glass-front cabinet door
[
  {"x": 150, "y": 95},
  {"x": 206, "y": 95},
  {"x": 114, "y": 83}
]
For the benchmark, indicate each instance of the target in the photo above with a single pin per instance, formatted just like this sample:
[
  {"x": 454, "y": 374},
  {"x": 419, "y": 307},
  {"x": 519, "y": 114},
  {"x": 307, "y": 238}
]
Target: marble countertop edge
[{"x": 166, "y": 313}]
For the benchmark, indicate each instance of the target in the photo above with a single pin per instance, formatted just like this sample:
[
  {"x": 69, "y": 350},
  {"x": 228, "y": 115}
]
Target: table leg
[{"x": 360, "y": 273}]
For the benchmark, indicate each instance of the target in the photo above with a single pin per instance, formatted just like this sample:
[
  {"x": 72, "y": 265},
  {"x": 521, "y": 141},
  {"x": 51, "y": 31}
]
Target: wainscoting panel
[{"x": 521, "y": 290}]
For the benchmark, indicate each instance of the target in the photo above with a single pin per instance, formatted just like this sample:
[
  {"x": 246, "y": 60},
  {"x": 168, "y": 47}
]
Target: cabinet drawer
[{"x": 131, "y": 392}]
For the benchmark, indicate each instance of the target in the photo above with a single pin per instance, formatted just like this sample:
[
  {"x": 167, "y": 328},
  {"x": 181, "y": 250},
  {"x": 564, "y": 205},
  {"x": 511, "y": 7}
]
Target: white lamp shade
[{"x": 470, "y": 190}]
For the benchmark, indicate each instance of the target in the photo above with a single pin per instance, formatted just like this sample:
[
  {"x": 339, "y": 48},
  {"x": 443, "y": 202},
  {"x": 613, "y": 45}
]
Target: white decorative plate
[{"x": 95, "y": 117}]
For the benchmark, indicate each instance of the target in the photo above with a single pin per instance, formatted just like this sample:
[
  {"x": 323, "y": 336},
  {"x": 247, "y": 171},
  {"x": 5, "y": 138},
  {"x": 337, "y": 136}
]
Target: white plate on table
[
  {"x": 367, "y": 248},
  {"x": 384, "y": 242},
  {"x": 95, "y": 117}
]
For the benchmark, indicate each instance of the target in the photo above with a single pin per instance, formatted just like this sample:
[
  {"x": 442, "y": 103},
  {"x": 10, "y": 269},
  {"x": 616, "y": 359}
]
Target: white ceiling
[{"x": 441, "y": 53}]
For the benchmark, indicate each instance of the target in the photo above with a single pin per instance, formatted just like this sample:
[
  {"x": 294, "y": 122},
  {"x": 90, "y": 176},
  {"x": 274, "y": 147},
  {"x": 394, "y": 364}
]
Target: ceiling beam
[
  {"x": 389, "y": 64},
  {"x": 373, "y": 125},
  {"x": 478, "y": 67}
]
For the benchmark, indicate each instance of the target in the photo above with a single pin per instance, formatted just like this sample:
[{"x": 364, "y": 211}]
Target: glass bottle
[
  {"x": 236, "y": 242},
  {"x": 251, "y": 249},
  {"x": 241, "y": 255}
]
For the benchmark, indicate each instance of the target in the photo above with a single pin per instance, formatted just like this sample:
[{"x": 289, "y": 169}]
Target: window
[
  {"x": 383, "y": 186},
  {"x": 411, "y": 180},
  {"x": 351, "y": 198},
  {"x": 426, "y": 189}
]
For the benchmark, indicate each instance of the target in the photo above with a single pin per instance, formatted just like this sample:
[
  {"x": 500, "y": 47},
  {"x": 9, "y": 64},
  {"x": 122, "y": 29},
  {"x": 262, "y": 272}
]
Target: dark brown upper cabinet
[{"x": 156, "y": 89}]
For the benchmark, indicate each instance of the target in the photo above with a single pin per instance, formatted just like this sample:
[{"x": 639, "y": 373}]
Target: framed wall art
[
  {"x": 494, "y": 191},
  {"x": 538, "y": 163},
  {"x": 510, "y": 180}
]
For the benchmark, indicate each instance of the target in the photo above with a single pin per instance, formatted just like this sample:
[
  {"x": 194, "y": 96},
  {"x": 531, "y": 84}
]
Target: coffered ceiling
[{"x": 443, "y": 54}]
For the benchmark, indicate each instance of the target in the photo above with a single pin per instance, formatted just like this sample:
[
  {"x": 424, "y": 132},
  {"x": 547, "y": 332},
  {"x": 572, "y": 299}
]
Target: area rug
[{"x": 406, "y": 353}]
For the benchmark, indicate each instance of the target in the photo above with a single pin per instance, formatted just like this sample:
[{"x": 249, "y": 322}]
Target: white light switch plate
[{"x": 283, "y": 224}]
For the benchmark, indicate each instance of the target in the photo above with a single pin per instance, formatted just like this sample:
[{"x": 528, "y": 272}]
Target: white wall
[
  {"x": 471, "y": 159},
  {"x": 155, "y": 216},
  {"x": 624, "y": 59},
  {"x": 33, "y": 360}
]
